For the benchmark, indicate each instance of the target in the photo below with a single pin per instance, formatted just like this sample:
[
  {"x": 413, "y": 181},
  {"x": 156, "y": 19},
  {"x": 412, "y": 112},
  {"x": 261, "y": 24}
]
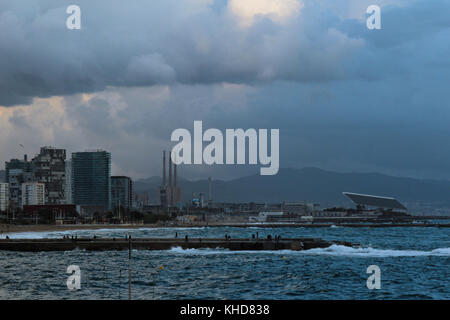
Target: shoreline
[{"x": 8, "y": 229}]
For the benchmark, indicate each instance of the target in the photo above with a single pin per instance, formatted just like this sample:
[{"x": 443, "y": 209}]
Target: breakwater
[{"x": 36, "y": 245}]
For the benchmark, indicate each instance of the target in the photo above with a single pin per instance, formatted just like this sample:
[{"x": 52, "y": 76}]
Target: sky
[{"x": 345, "y": 98}]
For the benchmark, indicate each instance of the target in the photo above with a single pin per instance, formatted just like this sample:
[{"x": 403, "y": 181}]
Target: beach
[{"x": 10, "y": 228}]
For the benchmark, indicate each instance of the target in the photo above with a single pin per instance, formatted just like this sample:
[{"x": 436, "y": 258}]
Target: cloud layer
[
  {"x": 344, "y": 97},
  {"x": 176, "y": 41}
]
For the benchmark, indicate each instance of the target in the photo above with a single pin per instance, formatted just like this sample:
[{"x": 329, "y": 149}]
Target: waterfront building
[
  {"x": 68, "y": 182},
  {"x": 91, "y": 179},
  {"x": 121, "y": 192},
  {"x": 48, "y": 167},
  {"x": 33, "y": 193},
  {"x": 17, "y": 172},
  {"x": 4, "y": 196}
]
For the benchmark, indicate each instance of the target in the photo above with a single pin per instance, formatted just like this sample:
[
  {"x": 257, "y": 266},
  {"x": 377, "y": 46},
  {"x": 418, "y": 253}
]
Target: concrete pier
[{"x": 36, "y": 245}]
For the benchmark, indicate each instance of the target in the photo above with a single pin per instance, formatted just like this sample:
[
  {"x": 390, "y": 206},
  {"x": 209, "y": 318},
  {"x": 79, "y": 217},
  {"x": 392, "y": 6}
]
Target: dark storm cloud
[{"x": 144, "y": 43}]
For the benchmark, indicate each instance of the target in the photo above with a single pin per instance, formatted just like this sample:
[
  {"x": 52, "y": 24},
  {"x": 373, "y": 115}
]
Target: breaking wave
[
  {"x": 334, "y": 250},
  {"x": 338, "y": 250}
]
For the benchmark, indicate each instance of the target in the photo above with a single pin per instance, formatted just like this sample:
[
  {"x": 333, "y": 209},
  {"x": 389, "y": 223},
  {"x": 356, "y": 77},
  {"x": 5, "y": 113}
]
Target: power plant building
[{"x": 169, "y": 192}]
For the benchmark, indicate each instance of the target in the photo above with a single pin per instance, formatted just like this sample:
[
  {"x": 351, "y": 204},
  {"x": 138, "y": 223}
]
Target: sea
[{"x": 413, "y": 263}]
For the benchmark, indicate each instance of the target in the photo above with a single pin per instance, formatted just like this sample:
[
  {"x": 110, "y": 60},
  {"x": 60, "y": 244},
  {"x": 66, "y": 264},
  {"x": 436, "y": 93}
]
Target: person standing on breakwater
[
  {"x": 176, "y": 234},
  {"x": 186, "y": 238}
]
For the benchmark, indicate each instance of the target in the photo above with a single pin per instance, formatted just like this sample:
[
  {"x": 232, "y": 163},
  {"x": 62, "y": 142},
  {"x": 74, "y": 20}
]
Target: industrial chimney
[
  {"x": 209, "y": 192},
  {"x": 164, "y": 169},
  {"x": 175, "y": 175},
  {"x": 170, "y": 171}
]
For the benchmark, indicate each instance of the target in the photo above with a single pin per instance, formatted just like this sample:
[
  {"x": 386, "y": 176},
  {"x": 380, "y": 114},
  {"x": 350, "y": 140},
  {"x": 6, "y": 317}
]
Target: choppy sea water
[{"x": 414, "y": 264}]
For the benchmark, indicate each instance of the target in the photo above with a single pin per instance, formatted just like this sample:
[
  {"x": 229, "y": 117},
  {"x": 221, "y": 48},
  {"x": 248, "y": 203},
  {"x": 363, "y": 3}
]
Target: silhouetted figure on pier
[
  {"x": 7, "y": 238},
  {"x": 186, "y": 238},
  {"x": 269, "y": 237},
  {"x": 253, "y": 236},
  {"x": 176, "y": 234},
  {"x": 257, "y": 235}
]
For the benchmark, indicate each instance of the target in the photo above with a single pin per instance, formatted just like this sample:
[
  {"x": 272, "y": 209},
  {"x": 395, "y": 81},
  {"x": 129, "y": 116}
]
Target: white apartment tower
[
  {"x": 33, "y": 193},
  {"x": 4, "y": 196}
]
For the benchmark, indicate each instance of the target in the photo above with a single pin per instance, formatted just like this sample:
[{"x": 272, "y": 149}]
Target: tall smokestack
[
  {"x": 175, "y": 175},
  {"x": 164, "y": 168},
  {"x": 209, "y": 191},
  {"x": 170, "y": 171}
]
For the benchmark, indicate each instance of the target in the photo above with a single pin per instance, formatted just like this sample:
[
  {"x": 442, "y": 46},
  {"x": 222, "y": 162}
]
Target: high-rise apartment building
[
  {"x": 68, "y": 189},
  {"x": 49, "y": 168},
  {"x": 17, "y": 172},
  {"x": 121, "y": 192},
  {"x": 4, "y": 196},
  {"x": 33, "y": 193},
  {"x": 91, "y": 178}
]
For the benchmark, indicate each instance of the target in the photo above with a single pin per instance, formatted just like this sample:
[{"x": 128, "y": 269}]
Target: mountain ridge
[{"x": 311, "y": 184}]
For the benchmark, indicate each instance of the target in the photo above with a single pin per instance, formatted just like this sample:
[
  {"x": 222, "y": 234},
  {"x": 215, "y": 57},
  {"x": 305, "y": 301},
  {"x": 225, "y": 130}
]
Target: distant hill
[{"x": 312, "y": 185}]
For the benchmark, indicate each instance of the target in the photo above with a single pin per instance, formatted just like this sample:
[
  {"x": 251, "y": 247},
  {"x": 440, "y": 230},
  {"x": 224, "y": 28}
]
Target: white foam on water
[
  {"x": 333, "y": 250},
  {"x": 339, "y": 250},
  {"x": 210, "y": 251},
  {"x": 57, "y": 234},
  {"x": 28, "y": 235}
]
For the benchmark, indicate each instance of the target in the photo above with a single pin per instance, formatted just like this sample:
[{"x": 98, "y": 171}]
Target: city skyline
[{"x": 345, "y": 98}]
